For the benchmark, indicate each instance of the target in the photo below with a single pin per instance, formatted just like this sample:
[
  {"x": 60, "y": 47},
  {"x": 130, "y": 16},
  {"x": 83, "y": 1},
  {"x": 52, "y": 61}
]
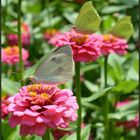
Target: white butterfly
[{"x": 57, "y": 68}]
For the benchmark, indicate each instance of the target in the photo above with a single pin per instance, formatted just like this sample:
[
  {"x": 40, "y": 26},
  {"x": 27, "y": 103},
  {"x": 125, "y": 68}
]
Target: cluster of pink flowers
[
  {"x": 129, "y": 124},
  {"x": 39, "y": 106},
  {"x": 10, "y": 55},
  {"x": 12, "y": 39},
  {"x": 88, "y": 47}
]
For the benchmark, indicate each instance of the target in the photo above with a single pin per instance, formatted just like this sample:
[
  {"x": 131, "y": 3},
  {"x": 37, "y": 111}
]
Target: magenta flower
[
  {"x": 10, "y": 55},
  {"x": 12, "y": 39},
  {"x": 38, "y": 107},
  {"x": 112, "y": 44},
  {"x": 4, "y": 105},
  {"x": 85, "y": 47},
  {"x": 128, "y": 124},
  {"x": 122, "y": 103}
]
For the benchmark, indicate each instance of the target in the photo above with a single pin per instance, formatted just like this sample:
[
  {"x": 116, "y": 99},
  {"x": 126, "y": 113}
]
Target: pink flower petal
[{"x": 31, "y": 113}]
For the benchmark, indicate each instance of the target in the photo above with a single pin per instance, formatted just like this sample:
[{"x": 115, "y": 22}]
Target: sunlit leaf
[
  {"x": 125, "y": 86},
  {"x": 97, "y": 95},
  {"x": 8, "y": 86}
]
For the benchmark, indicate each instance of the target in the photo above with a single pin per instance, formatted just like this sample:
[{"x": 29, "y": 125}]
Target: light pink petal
[
  {"x": 60, "y": 109},
  {"x": 41, "y": 119},
  {"x": 35, "y": 107},
  {"x": 18, "y": 113},
  {"x": 11, "y": 107},
  {"x": 31, "y": 113},
  {"x": 50, "y": 106}
]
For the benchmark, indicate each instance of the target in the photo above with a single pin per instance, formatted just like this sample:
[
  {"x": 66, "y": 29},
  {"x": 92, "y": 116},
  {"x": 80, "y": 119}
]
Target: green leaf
[
  {"x": 88, "y": 20},
  {"x": 125, "y": 86},
  {"x": 89, "y": 67},
  {"x": 128, "y": 2},
  {"x": 123, "y": 28},
  {"x": 70, "y": 16},
  {"x": 120, "y": 115},
  {"x": 92, "y": 87},
  {"x": 97, "y": 95},
  {"x": 10, "y": 87},
  {"x": 10, "y": 133},
  {"x": 112, "y": 9},
  {"x": 85, "y": 132}
]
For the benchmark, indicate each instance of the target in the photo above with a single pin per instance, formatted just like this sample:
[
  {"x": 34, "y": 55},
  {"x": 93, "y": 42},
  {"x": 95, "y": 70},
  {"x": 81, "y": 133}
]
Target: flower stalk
[
  {"x": 47, "y": 135},
  {"x": 19, "y": 39},
  {"x": 106, "y": 105},
  {"x": 78, "y": 95}
]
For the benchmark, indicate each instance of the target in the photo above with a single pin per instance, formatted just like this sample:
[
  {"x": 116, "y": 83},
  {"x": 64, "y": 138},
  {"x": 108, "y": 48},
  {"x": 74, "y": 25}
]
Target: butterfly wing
[
  {"x": 123, "y": 28},
  {"x": 57, "y": 68},
  {"x": 88, "y": 20}
]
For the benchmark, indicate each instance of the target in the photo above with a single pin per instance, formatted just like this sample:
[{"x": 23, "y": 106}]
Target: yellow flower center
[
  {"x": 45, "y": 95},
  {"x": 109, "y": 38},
  {"x": 79, "y": 40},
  {"x": 33, "y": 94},
  {"x": 11, "y": 50},
  {"x": 37, "y": 87},
  {"x": 51, "y": 31}
]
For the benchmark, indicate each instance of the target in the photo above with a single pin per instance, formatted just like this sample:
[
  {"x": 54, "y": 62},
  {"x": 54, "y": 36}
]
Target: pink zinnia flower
[
  {"x": 40, "y": 106},
  {"x": 112, "y": 44},
  {"x": 12, "y": 39},
  {"x": 10, "y": 55},
  {"x": 85, "y": 47},
  {"x": 129, "y": 124},
  {"x": 50, "y": 33},
  {"x": 4, "y": 105}
]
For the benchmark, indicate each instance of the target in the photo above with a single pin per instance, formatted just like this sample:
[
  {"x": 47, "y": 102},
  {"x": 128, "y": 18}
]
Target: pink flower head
[
  {"x": 85, "y": 47},
  {"x": 4, "y": 105},
  {"x": 12, "y": 39},
  {"x": 112, "y": 44},
  {"x": 50, "y": 33},
  {"x": 129, "y": 124},
  {"x": 40, "y": 106},
  {"x": 10, "y": 55}
]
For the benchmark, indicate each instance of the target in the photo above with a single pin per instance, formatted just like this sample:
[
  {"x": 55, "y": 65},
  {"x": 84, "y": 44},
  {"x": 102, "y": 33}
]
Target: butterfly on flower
[{"x": 56, "y": 68}]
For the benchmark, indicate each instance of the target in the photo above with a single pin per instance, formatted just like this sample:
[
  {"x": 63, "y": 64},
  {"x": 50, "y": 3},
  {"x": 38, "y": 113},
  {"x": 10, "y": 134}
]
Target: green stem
[
  {"x": 47, "y": 135},
  {"x": 4, "y": 13},
  {"x": 19, "y": 39},
  {"x": 106, "y": 103},
  {"x": 78, "y": 94}
]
